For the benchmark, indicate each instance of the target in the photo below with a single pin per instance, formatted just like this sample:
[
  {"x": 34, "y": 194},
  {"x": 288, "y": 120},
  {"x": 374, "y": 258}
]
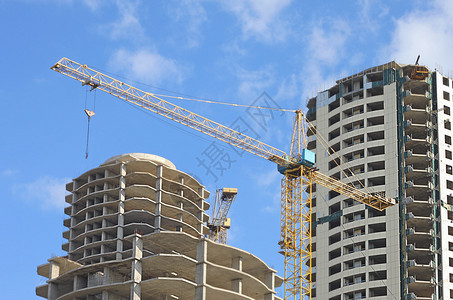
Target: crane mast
[{"x": 297, "y": 168}]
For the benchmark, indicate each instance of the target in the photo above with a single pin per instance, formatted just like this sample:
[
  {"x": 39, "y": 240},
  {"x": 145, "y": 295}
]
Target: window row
[
  {"x": 360, "y": 294},
  {"x": 356, "y": 110},
  {"x": 357, "y": 247},
  {"x": 356, "y": 216},
  {"x": 370, "y": 122},
  {"x": 358, "y": 169},
  {"x": 358, "y": 154},
  {"x": 357, "y": 231},
  {"x": 358, "y": 263}
]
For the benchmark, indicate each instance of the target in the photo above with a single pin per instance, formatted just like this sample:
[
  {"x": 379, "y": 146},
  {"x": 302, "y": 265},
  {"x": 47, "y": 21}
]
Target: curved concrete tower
[{"x": 136, "y": 230}]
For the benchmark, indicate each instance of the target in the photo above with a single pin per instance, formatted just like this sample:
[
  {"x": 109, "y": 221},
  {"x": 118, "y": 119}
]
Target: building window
[
  {"x": 449, "y": 170},
  {"x": 375, "y": 106},
  {"x": 449, "y": 185},
  {"x": 448, "y": 154},
  {"x": 378, "y": 243},
  {"x": 448, "y": 139},
  {"x": 446, "y": 81},
  {"x": 447, "y": 124},
  {"x": 446, "y": 96},
  {"x": 378, "y": 292},
  {"x": 446, "y": 110},
  {"x": 355, "y": 295}
]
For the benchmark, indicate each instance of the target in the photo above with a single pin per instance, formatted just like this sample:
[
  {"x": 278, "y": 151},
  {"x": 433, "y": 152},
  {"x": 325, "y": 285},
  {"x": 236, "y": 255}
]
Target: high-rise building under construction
[
  {"x": 389, "y": 130},
  {"x": 136, "y": 230}
]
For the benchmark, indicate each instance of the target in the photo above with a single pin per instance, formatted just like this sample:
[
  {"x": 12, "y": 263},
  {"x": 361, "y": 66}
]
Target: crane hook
[{"x": 89, "y": 114}]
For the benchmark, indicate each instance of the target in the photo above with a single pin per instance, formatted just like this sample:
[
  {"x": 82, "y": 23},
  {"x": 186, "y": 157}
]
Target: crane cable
[
  {"x": 223, "y": 103},
  {"x": 89, "y": 114},
  {"x": 187, "y": 98},
  {"x": 331, "y": 151}
]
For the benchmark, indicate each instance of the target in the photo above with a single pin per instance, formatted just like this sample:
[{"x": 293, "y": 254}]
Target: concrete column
[
  {"x": 136, "y": 269},
  {"x": 237, "y": 263},
  {"x": 158, "y": 211},
  {"x": 105, "y": 295},
  {"x": 73, "y": 221},
  {"x": 236, "y": 285},
  {"x": 107, "y": 276},
  {"x": 76, "y": 283},
  {"x": 52, "y": 291},
  {"x": 54, "y": 272},
  {"x": 269, "y": 296},
  {"x": 269, "y": 281},
  {"x": 104, "y": 223},
  {"x": 181, "y": 191},
  {"x": 121, "y": 198},
  {"x": 179, "y": 217},
  {"x": 102, "y": 259},
  {"x": 200, "y": 275},
  {"x": 200, "y": 213}
]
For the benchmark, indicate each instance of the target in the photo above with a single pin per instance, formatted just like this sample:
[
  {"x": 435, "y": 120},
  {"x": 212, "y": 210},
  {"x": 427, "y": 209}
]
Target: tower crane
[
  {"x": 219, "y": 222},
  {"x": 297, "y": 167}
]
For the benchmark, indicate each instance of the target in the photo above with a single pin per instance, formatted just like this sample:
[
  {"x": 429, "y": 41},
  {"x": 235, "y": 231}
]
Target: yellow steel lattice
[
  {"x": 377, "y": 201},
  {"x": 218, "y": 235},
  {"x": 296, "y": 206}
]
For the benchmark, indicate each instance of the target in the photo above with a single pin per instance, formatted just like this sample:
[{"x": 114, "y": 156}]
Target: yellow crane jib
[{"x": 164, "y": 108}]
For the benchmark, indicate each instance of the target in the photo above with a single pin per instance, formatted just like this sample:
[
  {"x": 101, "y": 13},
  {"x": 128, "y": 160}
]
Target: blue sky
[{"x": 276, "y": 52}]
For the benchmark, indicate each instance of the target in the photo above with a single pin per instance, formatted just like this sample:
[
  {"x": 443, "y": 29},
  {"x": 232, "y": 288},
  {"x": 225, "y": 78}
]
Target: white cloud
[
  {"x": 9, "y": 172},
  {"x": 128, "y": 25},
  {"x": 232, "y": 49},
  {"x": 146, "y": 66},
  {"x": 93, "y": 4},
  {"x": 370, "y": 12},
  {"x": 270, "y": 178},
  {"x": 193, "y": 15},
  {"x": 428, "y": 33},
  {"x": 288, "y": 90},
  {"x": 327, "y": 39},
  {"x": 259, "y": 18},
  {"x": 273, "y": 203},
  {"x": 253, "y": 83},
  {"x": 326, "y": 44},
  {"x": 47, "y": 192}
]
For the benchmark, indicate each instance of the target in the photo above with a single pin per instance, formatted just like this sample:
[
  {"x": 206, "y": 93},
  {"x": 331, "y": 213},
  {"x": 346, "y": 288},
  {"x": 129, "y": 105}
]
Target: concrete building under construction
[
  {"x": 390, "y": 127},
  {"x": 136, "y": 230}
]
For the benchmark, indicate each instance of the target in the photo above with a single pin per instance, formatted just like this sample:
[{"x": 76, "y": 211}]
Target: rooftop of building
[{"x": 140, "y": 156}]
